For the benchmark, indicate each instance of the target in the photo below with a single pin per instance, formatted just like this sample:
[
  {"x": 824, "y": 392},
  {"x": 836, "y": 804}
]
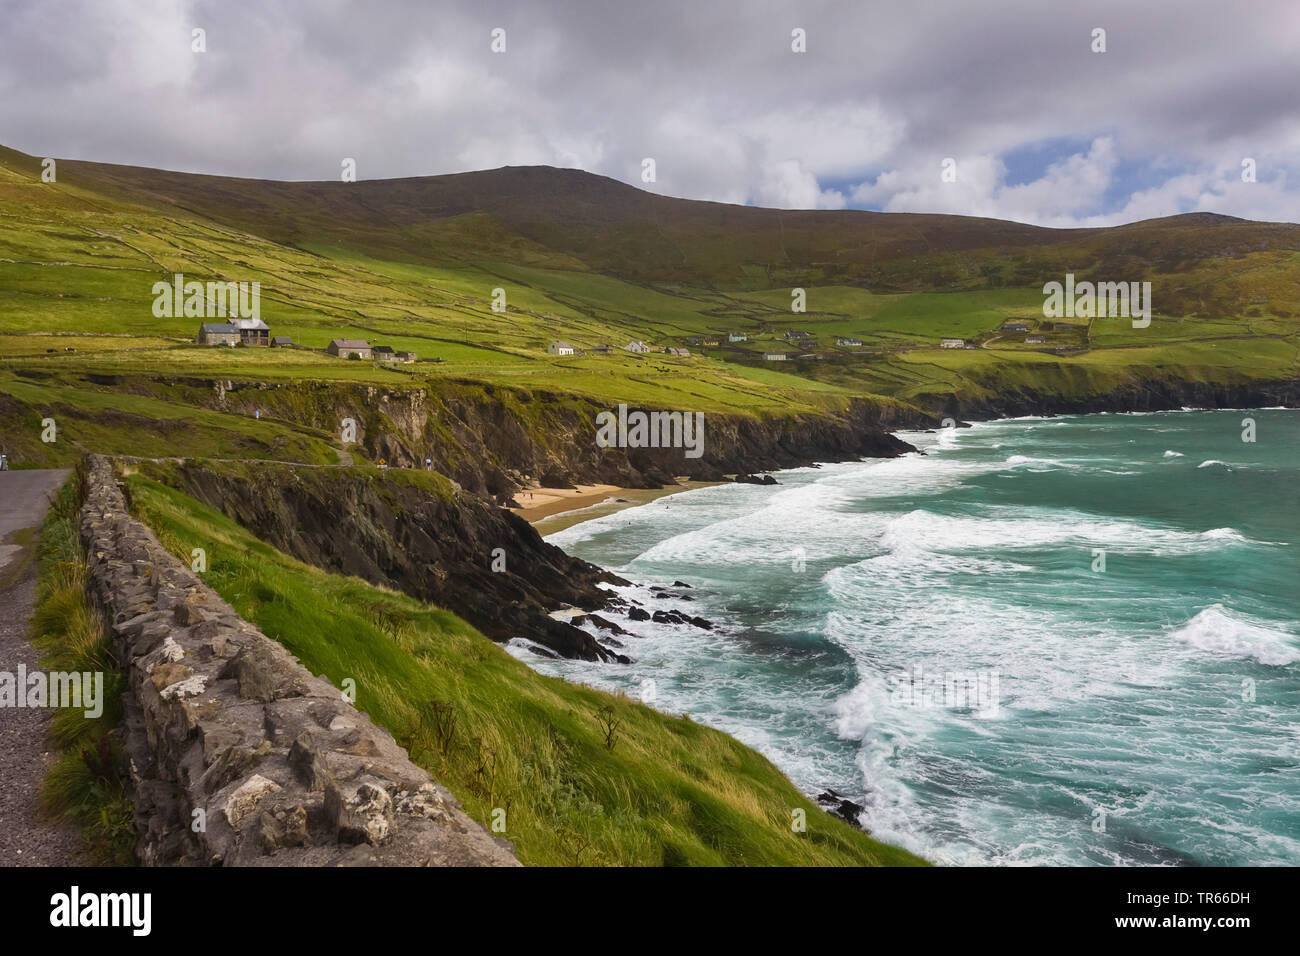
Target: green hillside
[{"x": 414, "y": 263}]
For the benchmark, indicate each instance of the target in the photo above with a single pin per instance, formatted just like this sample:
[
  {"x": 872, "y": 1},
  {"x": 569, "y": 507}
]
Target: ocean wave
[
  {"x": 1016, "y": 461},
  {"x": 1218, "y": 632},
  {"x": 1224, "y": 534},
  {"x": 1007, "y": 528},
  {"x": 1173, "y": 454},
  {"x": 1212, "y": 462}
]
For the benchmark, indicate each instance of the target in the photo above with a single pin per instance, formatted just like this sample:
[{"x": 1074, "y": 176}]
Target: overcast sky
[{"x": 1041, "y": 128}]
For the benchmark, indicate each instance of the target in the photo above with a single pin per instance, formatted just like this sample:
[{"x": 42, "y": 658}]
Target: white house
[
  {"x": 775, "y": 357},
  {"x": 560, "y": 348},
  {"x": 852, "y": 343},
  {"x": 636, "y": 347},
  {"x": 952, "y": 343},
  {"x": 737, "y": 337}
]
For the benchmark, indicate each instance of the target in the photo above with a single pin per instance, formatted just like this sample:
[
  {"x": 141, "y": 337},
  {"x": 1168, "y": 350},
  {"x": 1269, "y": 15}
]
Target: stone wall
[{"x": 223, "y": 720}]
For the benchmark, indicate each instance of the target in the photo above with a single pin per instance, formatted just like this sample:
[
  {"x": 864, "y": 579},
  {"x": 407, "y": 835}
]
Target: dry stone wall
[{"x": 238, "y": 755}]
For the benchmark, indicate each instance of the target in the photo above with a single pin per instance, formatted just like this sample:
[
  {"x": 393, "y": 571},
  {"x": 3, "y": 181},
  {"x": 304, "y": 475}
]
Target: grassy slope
[
  {"x": 415, "y": 263},
  {"x": 669, "y": 792}
]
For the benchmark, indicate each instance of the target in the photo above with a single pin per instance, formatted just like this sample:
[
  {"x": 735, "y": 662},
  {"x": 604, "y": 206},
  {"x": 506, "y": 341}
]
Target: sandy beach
[
  {"x": 540, "y": 503},
  {"x": 555, "y": 509}
]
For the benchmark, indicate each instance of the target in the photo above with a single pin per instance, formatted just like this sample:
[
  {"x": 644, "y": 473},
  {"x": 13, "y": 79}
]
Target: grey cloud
[{"x": 709, "y": 89}]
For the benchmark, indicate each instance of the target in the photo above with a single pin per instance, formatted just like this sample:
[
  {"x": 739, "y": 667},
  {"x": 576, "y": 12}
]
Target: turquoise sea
[{"x": 1144, "y": 713}]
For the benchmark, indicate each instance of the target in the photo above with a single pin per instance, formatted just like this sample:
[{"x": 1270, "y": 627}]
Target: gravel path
[{"x": 25, "y": 840}]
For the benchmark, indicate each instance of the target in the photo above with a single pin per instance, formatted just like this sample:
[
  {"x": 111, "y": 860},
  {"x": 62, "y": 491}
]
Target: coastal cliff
[{"x": 413, "y": 532}]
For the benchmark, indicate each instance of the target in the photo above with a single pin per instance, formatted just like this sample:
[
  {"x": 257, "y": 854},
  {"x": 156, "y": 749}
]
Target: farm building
[
  {"x": 218, "y": 333},
  {"x": 1035, "y": 339},
  {"x": 639, "y": 347},
  {"x": 851, "y": 343},
  {"x": 775, "y": 357},
  {"x": 346, "y": 348},
  {"x": 386, "y": 353},
  {"x": 1014, "y": 327},
  {"x": 680, "y": 353},
  {"x": 600, "y": 350},
  {"x": 281, "y": 342},
  {"x": 737, "y": 337},
  {"x": 952, "y": 343},
  {"x": 560, "y": 348},
  {"x": 797, "y": 335},
  {"x": 252, "y": 331}
]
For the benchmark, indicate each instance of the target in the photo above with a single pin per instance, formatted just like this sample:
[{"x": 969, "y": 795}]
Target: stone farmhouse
[
  {"x": 235, "y": 331},
  {"x": 346, "y": 348}
]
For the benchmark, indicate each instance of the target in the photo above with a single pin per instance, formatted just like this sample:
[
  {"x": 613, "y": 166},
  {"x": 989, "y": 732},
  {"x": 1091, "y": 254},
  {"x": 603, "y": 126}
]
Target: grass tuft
[{"x": 85, "y": 785}]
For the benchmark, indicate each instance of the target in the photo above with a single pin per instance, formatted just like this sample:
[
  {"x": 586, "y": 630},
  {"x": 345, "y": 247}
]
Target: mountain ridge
[{"x": 614, "y": 228}]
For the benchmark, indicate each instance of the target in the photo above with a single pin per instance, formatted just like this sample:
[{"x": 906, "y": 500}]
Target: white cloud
[{"x": 787, "y": 185}]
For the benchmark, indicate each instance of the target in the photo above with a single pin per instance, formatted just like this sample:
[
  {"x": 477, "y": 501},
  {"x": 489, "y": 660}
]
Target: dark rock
[
  {"x": 188, "y": 613},
  {"x": 309, "y": 765},
  {"x": 265, "y": 672},
  {"x": 670, "y": 617},
  {"x": 840, "y": 806},
  {"x": 599, "y": 623},
  {"x": 638, "y": 614}
]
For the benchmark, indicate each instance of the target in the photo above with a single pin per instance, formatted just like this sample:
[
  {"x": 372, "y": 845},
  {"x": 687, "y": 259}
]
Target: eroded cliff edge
[{"x": 414, "y": 532}]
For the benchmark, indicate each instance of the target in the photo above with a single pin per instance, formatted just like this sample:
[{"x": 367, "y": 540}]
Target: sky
[{"x": 999, "y": 108}]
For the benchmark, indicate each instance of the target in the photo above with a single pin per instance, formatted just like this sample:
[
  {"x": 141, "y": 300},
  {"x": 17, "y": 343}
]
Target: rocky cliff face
[
  {"x": 1140, "y": 395},
  {"x": 493, "y": 440},
  {"x": 413, "y": 532},
  {"x": 238, "y": 755}
]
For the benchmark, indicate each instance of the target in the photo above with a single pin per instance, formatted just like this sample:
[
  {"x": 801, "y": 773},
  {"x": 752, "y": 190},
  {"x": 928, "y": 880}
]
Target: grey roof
[
  {"x": 350, "y": 344},
  {"x": 220, "y": 328},
  {"x": 386, "y": 349},
  {"x": 250, "y": 324}
]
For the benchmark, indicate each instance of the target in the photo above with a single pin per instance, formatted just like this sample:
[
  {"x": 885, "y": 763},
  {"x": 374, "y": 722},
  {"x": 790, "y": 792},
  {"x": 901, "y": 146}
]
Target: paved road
[{"x": 24, "y": 839}]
